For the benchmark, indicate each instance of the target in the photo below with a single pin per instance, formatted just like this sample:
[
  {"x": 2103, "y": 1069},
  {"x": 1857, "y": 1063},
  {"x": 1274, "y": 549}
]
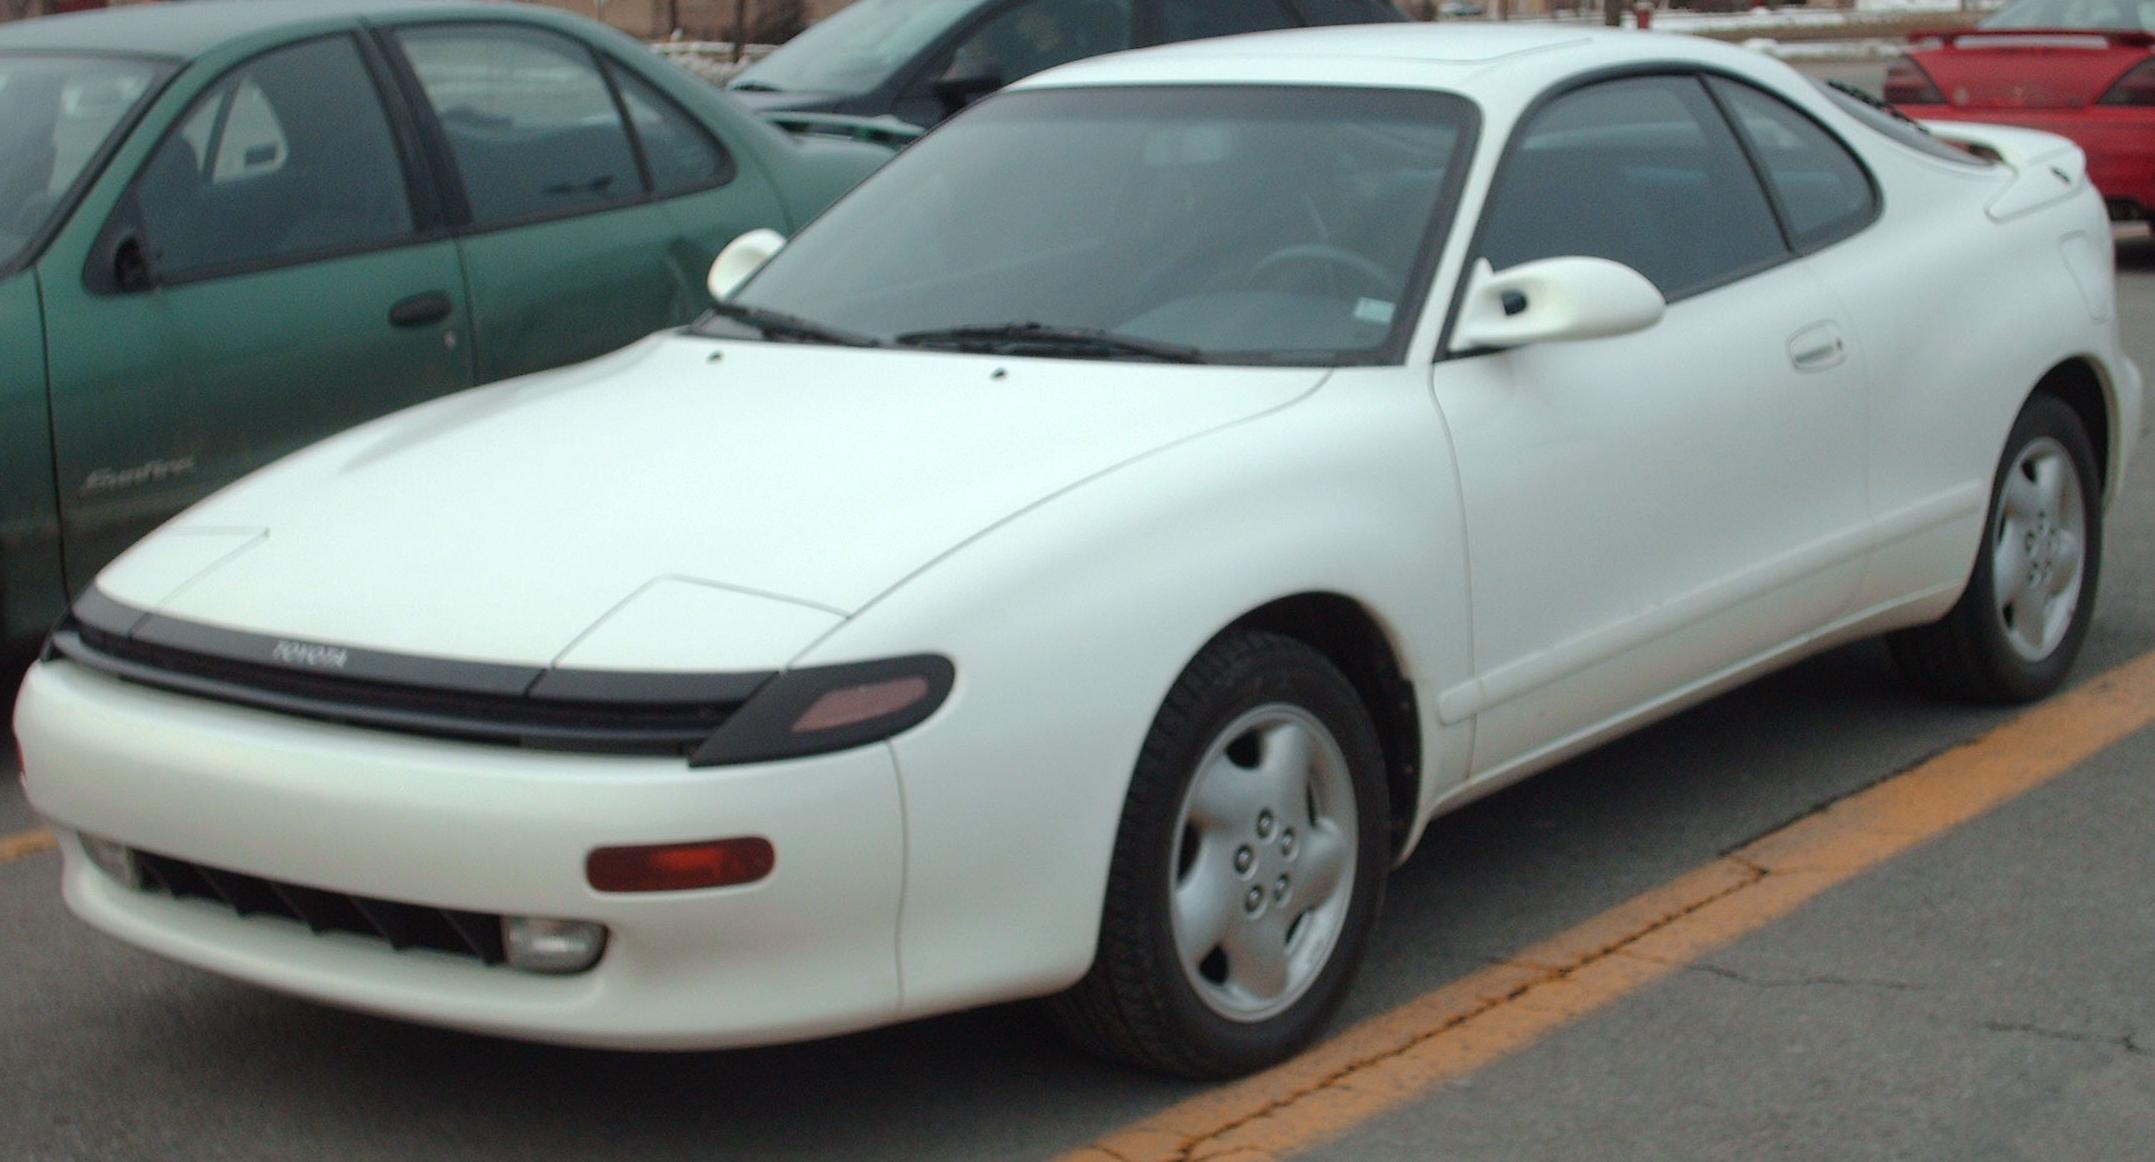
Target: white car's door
[{"x": 1645, "y": 512}]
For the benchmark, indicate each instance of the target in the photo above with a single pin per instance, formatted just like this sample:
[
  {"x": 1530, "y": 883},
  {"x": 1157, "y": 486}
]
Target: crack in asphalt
[
  {"x": 2128, "y": 1041},
  {"x": 1735, "y": 850},
  {"x": 1191, "y": 1149},
  {"x": 1806, "y": 981}
]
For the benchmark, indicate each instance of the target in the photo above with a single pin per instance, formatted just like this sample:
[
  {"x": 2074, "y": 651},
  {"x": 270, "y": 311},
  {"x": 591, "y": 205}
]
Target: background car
[
  {"x": 922, "y": 60},
  {"x": 1081, "y": 562},
  {"x": 230, "y": 229},
  {"x": 2083, "y": 69}
]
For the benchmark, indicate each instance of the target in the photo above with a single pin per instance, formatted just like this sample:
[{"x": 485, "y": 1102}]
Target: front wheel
[
  {"x": 2018, "y": 627},
  {"x": 1247, "y": 869}
]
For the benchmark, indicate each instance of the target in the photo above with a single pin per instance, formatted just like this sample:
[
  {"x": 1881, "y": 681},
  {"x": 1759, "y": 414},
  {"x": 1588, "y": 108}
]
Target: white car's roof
[{"x": 1490, "y": 60}]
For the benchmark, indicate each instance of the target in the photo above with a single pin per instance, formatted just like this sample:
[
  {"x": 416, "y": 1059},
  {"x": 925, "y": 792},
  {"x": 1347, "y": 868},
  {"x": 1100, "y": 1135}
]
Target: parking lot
[{"x": 1979, "y": 989}]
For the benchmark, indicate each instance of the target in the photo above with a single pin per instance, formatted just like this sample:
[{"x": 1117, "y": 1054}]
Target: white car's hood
[{"x": 800, "y": 482}]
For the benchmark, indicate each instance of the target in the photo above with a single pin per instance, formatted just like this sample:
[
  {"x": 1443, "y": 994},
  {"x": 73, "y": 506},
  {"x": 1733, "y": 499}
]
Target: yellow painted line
[
  {"x": 1399, "y": 1056},
  {"x": 24, "y": 844}
]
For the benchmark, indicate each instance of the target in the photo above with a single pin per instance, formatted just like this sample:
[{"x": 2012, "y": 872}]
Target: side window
[
  {"x": 1823, "y": 192},
  {"x": 682, "y": 156},
  {"x": 530, "y": 120},
  {"x": 1644, "y": 172},
  {"x": 1040, "y": 34},
  {"x": 1197, "y": 19},
  {"x": 253, "y": 141},
  {"x": 289, "y": 155}
]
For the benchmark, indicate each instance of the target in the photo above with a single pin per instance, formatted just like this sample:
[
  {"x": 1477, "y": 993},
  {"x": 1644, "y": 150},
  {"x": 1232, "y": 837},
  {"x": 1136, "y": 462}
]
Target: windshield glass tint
[
  {"x": 55, "y": 112},
  {"x": 857, "y": 48},
  {"x": 2125, "y": 15},
  {"x": 1269, "y": 224}
]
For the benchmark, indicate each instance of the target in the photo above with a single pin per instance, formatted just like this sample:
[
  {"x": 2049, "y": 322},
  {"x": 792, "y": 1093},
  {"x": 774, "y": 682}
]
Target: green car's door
[
  {"x": 266, "y": 281},
  {"x": 570, "y": 244}
]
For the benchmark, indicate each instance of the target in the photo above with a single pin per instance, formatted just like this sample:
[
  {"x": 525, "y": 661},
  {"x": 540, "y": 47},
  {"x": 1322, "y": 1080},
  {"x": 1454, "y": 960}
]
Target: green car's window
[
  {"x": 529, "y": 118},
  {"x": 289, "y": 156},
  {"x": 681, "y": 155},
  {"x": 55, "y": 113}
]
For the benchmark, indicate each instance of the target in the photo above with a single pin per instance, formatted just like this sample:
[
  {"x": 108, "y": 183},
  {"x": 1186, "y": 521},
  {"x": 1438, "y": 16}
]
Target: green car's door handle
[{"x": 421, "y": 310}]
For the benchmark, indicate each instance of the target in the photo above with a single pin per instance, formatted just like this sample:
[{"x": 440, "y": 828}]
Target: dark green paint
[
  {"x": 30, "y": 585},
  {"x": 174, "y": 391}
]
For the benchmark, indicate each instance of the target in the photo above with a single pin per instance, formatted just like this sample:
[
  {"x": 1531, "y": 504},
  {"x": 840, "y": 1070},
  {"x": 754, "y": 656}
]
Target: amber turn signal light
[{"x": 681, "y": 867}]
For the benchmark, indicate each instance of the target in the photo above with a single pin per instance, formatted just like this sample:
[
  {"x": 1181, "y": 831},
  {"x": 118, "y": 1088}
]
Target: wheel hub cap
[
  {"x": 1264, "y": 863},
  {"x": 2037, "y": 549}
]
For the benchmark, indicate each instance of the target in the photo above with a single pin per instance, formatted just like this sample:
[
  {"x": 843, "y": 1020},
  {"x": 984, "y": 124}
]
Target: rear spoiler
[
  {"x": 885, "y": 130},
  {"x": 2035, "y": 37},
  {"x": 2046, "y": 168}
]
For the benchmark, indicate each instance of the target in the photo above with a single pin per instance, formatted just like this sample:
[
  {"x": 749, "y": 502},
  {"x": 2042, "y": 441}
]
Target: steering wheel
[{"x": 1365, "y": 272}]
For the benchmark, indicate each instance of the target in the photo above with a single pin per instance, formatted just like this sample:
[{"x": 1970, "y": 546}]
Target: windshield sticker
[{"x": 1373, "y": 311}]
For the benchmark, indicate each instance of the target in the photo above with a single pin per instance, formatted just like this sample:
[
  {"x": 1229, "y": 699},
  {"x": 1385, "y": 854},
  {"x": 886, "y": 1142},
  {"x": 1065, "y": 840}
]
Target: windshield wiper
[
  {"x": 1022, "y": 338},
  {"x": 777, "y": 324}
]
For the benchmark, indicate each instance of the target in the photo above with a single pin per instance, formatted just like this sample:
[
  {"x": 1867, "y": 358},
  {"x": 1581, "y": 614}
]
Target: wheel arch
[
  {"x": 2079, "y": 383},
  {"x": 1351, "y": 637}
]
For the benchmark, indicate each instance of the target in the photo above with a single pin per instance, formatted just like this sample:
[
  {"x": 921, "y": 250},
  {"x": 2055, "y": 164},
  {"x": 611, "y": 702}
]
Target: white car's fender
[{"x": 1068, "y": 623}]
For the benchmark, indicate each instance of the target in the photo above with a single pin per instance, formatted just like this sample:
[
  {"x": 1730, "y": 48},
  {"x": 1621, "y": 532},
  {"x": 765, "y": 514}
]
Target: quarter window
[
  {"x": 681, "y": 155},
  {"x": 289, "y": 156},
  {"x": 530, "y": 120},
  {"x": 1823, "y": 192},
  {"x": 1643, "y": 171}
]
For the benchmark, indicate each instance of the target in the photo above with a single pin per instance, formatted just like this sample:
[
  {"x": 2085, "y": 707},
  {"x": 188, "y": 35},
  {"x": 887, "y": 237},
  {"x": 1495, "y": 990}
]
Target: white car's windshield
[
  {"x": 1237, "y": 224},
  {"x": 55, "y": 113},
  {"x": 2121, "y": 15},
  {"x": 856, "y": 48}
]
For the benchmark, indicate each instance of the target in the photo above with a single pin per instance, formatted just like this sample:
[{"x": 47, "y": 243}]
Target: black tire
[
  {"x": 1966, "y": 654},
  {"x": 1137, "y": 1005}
]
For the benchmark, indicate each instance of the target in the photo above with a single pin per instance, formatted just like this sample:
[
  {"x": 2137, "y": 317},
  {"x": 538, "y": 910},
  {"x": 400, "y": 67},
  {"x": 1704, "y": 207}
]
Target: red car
[{"x": 2083, "y": 69}]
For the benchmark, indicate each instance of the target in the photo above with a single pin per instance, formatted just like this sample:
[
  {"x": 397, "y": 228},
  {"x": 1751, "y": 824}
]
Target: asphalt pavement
[{"x": 1990, "y": 994}]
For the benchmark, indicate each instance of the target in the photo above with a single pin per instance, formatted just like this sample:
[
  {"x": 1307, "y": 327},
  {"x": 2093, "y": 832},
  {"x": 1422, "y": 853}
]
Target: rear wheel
[
  {"x": 2018, "y": 627},
  {"x": 1247, "y": 870}
]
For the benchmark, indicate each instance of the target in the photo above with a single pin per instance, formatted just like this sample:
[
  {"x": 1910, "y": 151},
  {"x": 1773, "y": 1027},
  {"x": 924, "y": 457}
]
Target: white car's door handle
[{"x": 1817, "y": 347}]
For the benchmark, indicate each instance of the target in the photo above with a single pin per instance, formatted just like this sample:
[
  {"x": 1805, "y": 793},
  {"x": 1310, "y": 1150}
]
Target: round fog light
[
  {"x": 535, "y": 944},
  {"x": 117, "y": 859}
]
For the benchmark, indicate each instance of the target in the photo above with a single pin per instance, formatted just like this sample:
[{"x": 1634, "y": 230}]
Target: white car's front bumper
[{"x": 811, "y": 950}]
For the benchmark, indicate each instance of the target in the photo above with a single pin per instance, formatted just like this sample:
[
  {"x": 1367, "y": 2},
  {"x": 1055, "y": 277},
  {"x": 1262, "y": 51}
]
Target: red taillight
[
  {"x": 1908, "y": 84},
  {"x": 2134, "y": 88},
  {"x": 681, "y": 867}
]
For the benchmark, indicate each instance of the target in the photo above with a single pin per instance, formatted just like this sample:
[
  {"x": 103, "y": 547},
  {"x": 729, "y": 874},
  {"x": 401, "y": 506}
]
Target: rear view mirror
[
  {"x": 742, "y": 257},
  {"x": 1552, "y": 300}
]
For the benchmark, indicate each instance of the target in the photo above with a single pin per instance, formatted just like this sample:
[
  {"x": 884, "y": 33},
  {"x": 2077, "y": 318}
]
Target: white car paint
[{"x": 1560, "y": 543}]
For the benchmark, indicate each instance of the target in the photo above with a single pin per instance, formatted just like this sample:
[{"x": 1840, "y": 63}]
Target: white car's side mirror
[
  {"x": 1553, "y": 299},
  {"x": 741, "y": 258}
]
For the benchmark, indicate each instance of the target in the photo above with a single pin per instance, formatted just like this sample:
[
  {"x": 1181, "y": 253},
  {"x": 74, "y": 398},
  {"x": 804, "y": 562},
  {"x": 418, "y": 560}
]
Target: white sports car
[{"x": 1081, "y": 563}]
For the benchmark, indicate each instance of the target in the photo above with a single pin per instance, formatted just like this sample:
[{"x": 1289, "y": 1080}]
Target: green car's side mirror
[{"x": 131, "y": 268}]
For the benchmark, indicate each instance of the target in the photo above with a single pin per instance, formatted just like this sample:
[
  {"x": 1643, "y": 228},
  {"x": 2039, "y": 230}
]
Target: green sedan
[{"x": 229, "y": 229}]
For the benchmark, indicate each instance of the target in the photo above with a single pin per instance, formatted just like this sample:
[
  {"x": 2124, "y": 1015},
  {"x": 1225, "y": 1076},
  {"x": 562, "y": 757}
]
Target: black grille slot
[{"x": 473, "y": 934}]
